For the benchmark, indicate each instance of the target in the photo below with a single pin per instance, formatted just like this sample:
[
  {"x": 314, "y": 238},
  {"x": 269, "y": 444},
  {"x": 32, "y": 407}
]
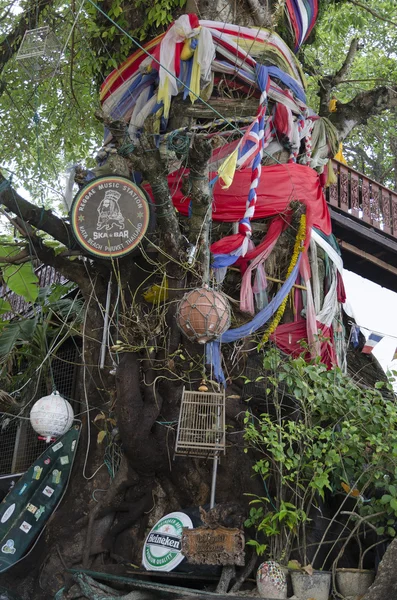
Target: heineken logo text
[{"x": 166, "y": 541}]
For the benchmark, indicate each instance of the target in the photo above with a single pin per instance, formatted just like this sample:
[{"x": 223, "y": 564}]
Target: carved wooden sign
[
  {"x": 110, "y": 216},
  {"x": 220, "y": 546}
]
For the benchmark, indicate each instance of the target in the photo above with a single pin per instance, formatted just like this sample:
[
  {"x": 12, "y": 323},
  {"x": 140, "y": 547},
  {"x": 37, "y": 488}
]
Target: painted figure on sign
[{"x": 109, "y": 211}]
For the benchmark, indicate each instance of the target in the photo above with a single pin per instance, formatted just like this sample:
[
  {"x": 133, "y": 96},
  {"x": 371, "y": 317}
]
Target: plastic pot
[
  {"x": 313, "y": 587},
  {"x": 354, "y": 582}
]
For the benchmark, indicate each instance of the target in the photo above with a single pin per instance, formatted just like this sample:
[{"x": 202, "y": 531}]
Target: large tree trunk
[{"x": 105, "y": 519}]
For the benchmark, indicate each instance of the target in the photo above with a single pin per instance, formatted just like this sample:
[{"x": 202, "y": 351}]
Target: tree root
[
  {"x": 246, "y": 572},
  {"x": 118, "y": 485},
  {"x": 227, "y": 575}
]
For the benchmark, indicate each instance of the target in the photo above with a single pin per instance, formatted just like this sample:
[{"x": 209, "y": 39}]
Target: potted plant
[
  {"x": 308, "y": 583},
  {"x": 296, "y": 458},
  {"x": 320, "y": 431},
  {"x": 350, "y": 582}
]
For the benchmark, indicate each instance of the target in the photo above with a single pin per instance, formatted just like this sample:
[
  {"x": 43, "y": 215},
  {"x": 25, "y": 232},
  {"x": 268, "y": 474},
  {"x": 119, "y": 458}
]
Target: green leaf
[
  {"x": 380, "y": 530},
  {"x": 22, "y": 280},
  {"x": 15, "y": 332},
  {"x": 5, "y": 306}
]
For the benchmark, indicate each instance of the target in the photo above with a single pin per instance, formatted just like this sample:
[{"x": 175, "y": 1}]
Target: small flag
[
  {"x": 371, "y": 342},
  {"x": 354, "y": 335}
]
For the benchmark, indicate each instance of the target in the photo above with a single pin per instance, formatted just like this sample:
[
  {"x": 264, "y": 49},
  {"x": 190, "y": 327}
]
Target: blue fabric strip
[
  {"x": 288, "y": 81},
  {"x": 213, "y": 349}
]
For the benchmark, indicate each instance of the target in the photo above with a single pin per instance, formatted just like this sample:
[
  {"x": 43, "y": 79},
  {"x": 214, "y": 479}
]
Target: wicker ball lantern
[
  {"x": 51, "y": 416},
  {"x": 203, "y": 315}
]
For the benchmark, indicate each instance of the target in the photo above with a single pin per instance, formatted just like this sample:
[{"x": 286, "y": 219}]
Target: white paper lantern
[{"x": 51, "y": 416}]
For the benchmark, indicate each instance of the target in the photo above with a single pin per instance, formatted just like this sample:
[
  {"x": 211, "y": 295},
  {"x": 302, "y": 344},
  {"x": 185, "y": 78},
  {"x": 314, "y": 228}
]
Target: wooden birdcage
[
  {"x": 201, "y": 426},
  {"x": 39, "y": 53}
]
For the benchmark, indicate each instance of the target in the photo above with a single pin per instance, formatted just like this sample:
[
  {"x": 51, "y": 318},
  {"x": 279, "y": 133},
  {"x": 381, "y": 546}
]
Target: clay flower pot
[
  {"x": 271, "y": 580},
  {"x": 315, "y": 586},
  {"x": 354, "y": 583}
]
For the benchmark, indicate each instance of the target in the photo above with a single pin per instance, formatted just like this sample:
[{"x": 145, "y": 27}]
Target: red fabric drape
[
  {"x": 287, "y": 338},
  {"x": 279, "y": 185}
]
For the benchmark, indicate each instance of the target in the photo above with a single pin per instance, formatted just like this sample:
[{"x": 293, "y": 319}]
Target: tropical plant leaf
[
  {"x": 5, "y": 306},
  {"x": 12, "y": 333},
  {"x": 68, "y": 308},
  {"x": 22, "y": 280}
]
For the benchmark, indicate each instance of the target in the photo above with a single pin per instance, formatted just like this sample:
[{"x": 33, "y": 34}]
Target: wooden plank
[
  {"x": 366, "y": 256},
  {"x": 220, "y": 546},
  {"x": 358, "y": 227},
  {"x": 155, "y": 591},
  {"x": 244, "y": 107}
]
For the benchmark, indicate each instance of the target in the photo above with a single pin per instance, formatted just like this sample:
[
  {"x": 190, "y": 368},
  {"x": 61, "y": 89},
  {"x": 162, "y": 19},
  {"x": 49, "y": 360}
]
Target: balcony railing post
[
  {"x": 355, "y": 194},
  {"x": 344, "y": 188},
  {"x": 333, "y": 190},
  {"x": 386, "y": 210},
  {"x": 376, "y": 216},
  {"x": 365, "y": 200},
  {"x": 394, "y": 214}
]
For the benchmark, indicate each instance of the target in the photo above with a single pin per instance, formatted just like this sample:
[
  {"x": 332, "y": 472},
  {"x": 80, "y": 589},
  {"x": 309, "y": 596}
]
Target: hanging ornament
[
  {"x": 203, "y": 315},
  {"x": 51, "y": 416}
]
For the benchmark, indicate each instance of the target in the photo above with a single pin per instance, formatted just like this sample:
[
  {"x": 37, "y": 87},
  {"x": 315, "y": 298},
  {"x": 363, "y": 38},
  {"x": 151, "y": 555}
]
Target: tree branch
[
  {"x": 17, "y": 259},
  {"x": 72, "y": 270},
  {"x": 35, "y": 215},
  {"x": 362, "y": 107},
  {"x": 201, "y": 197},
  {"x": 327, "y": 83},
  {"x": 339, "y": 75},
  {"x": 260, "y": 14},
  {"x": 373, "y": 12},
  {"x": 146, "y": 159}
]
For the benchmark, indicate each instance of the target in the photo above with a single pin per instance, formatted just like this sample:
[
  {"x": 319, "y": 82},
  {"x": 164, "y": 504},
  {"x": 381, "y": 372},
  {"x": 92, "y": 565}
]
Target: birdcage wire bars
[
  {"x": 201, "y": 425},
  {"x": 39, "y": 53}
]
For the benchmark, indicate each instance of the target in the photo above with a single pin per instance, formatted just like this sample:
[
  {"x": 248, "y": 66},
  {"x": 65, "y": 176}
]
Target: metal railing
[{"x": 363, "y": 198}]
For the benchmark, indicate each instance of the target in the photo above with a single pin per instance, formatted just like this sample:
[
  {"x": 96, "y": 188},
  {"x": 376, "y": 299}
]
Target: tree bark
[
  {"x": 361, "y": 108},
  {"x": 201, "y": 198},
  {"x": 385, "y": 584}
]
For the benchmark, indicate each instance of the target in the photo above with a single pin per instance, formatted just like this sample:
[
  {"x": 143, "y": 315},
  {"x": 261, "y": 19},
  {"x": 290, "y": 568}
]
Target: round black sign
[{"x": 110, "y": 216}]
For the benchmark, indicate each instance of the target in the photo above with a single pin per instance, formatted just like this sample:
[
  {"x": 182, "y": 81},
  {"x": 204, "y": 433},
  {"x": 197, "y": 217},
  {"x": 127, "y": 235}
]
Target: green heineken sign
[{"x": 162, "y": 549}]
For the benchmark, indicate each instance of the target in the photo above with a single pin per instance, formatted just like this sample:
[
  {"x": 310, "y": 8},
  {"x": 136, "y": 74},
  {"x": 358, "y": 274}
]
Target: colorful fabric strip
[{"x": 213, "y": 348}]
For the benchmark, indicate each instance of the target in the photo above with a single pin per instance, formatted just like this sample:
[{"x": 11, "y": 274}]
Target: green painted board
[{"x": 28, "y": 506}]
